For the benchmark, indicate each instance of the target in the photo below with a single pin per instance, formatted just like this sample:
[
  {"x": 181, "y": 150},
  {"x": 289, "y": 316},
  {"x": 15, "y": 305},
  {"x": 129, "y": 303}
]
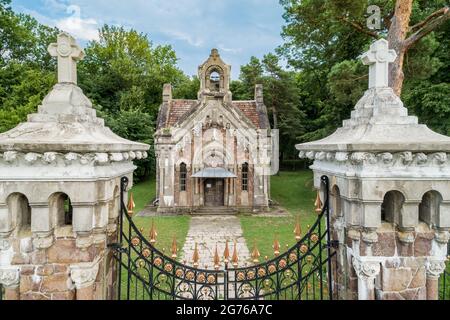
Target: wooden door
[{"x": 214, "y": 189}]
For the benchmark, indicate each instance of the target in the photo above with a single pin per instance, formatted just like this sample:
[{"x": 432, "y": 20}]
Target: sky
[{"x": 238, "y": 28}]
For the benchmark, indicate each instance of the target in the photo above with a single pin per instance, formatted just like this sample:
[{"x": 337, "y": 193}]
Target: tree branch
[
  {"x": 430, "y": 17},
  {"x": 359, "y": 27},
  {"x": 428, "y": 26}
]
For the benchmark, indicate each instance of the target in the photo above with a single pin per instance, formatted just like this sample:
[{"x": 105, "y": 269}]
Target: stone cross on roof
[
  {"x": 378, "y": 58},
  {"x": 68, "y": 53}
]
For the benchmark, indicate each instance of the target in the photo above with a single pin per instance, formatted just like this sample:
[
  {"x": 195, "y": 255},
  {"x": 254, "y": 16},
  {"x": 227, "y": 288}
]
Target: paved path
[{"x": 208, "y": 231}]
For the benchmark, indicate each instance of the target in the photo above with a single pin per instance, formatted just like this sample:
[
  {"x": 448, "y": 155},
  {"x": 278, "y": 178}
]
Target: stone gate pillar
[
  {"x": 59, "y": 194},
  {"x": 390, "y": 194}
]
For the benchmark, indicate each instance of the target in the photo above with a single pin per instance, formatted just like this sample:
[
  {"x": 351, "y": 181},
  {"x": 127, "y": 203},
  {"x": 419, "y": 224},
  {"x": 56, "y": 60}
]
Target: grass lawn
[
  {"x": 293, "y": 191},
  {"x": 166, "y": 227}
]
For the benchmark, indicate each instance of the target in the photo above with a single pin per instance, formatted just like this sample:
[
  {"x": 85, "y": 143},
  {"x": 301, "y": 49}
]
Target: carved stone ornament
[
  {"x": 9, "y": 276},
  {"x": 83, "y": 275},
  {"x": 435, "y": 267},
  {"x": 366, "y": 270}
]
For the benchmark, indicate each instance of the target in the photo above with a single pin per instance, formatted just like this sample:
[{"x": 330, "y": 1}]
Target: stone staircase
[{"x": 214, "y": 211}]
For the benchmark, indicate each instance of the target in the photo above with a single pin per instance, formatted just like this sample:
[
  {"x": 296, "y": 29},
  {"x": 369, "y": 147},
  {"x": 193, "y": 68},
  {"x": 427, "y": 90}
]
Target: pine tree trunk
[{"x": 396, "y": 37}]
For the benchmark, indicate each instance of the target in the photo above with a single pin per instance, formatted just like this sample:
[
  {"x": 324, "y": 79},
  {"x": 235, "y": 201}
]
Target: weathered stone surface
[
  {"x": 27, "y": 270},
  {"x": 38, "y": 257},
  {"x": 35, "y": 296},
  {"x": 422, "y": 244},
  {"x": 419, "y": 278},
  {"x": 45, "y": 270},
  {"x": 56, "y": 283},
  {"x": 65, "y": 251},
  {"x": 66, "y": 295},
  {"x": 396, "y": 279},
  {"x": 30, "y": 283},
  {"x": 385, "y": 246}
]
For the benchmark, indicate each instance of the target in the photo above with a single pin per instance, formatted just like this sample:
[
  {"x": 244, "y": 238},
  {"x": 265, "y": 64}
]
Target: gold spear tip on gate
[
  {"x": 226, "y": 253},
  {"x": 318, "y": 203},
  {"x": 196, "y": 256},
  {"x": 131, "y": 205},
  {"x": 235, "y": 258},
  {"x": 276, "y": 246},
  {"x": 216, "y": 259},
  {"x": 298, "y": 230},
  {"x": 174, "y": 247},
  {"x": 153, "y": 233},
  {"x": 255, "y": 254}
]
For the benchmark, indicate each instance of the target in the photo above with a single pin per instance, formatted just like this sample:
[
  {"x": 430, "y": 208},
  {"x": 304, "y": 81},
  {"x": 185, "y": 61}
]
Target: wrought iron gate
[{"x": 302, "y": 272}]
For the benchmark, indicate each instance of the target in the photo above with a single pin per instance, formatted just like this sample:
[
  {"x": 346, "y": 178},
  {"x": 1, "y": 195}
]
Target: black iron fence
[{"x": 303, "y": 272}]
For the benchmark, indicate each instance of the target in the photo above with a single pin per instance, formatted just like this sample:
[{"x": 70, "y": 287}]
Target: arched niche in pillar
[
  {"x": 392, "y": 207},
  {"x": 429, "y": 208},
  {"x": 336, "y": 201},
  {"x": 61, "y": 210},
  {"x": 19, "y": 211}
]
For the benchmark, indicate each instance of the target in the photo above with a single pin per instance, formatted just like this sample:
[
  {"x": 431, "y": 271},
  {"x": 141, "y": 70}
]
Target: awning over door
[{"x": 214, "y": 173}]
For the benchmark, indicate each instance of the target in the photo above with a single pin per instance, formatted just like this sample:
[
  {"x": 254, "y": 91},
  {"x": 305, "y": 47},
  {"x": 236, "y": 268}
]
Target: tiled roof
[
  {"x": 248, "y": 108},
  {"x": 178, "y": 108}
]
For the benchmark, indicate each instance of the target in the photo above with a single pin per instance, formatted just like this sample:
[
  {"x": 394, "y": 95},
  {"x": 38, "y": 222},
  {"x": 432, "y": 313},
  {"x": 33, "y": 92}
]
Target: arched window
[
  {"x": 429, "y": 208},
  {"x": 392, "y": 207},
  {"x": 214, "y": 80},
  {"x": 245, "y": 177},
  {"x": 337, "y": 202},
  {"x": 183, "y": 176},
  {"x": 61, "y": 209},
  {"x": 20, "y": 208}
]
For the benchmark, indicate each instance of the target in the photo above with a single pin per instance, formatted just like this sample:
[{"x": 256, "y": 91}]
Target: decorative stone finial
[
  {"x": 68, "y": 53},
  {"x": 378, "y": 58}
]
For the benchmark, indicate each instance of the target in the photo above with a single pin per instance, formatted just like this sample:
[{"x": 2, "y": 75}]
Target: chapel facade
[{"x": 214, "y": 153}]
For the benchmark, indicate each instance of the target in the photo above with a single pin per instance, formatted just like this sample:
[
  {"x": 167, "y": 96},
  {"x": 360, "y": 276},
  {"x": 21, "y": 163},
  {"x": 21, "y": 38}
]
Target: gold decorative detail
[
  {"x": 226, "y": 253},
  {"x": 293, "y": 257},
  {"x": 153, "y": 233},
  {"x": 298, "y": 230},
  {"x": 251, "y": 275},
  {"x": 282, "y": 264},
  {"x": 240, "y": 276},
  {"x": 135, "y": 241},
  {"x": 146, "y": 252},
  {"x": 255, "y": 254},
  {"x": 174, "y": 248},
  {"x": 190, "y": 275},
  {"x": 216, "y": 259},
  {"x": 201, "y": 277},
  {"x": 314, "y": 237},
  {"x": 261, "y": 272},
  {"x": 303, "y": 248},
  {"x": 131, "y": 205},
  {"x": 309, "y": 259},
  {"x": 276, "y": 246},
  {"x": 318, "y": 203},
  {"x": 211, "y": 279},
  {"x": 157, "y": 262},
  {"x": 272, "y": 268},
  {"x": 168, "y": 267},
  {"x": 179, "y": 273},
  {"x": 235, "y": 258},
  {"x": 195, "y": 256},
  {"x": 141, "y": 263}
]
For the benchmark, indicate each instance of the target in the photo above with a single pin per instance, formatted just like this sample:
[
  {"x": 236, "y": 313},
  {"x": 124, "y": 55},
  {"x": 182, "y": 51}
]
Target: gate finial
[
  {"x": 153, "y": 233},
  {"x": 174, "y": 247},
  {"x": 226, "y": 253},
  {"x": 255, "y": 254},
  {"x": 216, "y": 259},
  {"x": 276, "y": 246},
  {"x": 318, "y": 203},
  {"x": 235, "y": 258},
  {"x": 131, "y": 205},
  {"x": 298, "y": 230},
  {"x": 195, "y": 257}
]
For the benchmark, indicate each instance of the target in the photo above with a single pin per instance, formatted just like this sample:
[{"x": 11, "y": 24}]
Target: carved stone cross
[
  {"x": 68, "y": 53},
  {"x": 378, "y": 58}
]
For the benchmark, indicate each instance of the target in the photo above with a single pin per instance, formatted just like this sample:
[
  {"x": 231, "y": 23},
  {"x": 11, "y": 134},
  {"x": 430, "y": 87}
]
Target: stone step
[{"x": 214, "y": 211}]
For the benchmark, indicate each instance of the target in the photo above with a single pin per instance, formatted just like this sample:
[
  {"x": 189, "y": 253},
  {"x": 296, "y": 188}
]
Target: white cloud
[
  {"x": 196, "y": 42},
  {"x": 83, "y": 29}
]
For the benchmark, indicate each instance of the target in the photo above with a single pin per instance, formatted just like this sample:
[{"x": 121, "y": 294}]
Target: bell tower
[{"x": 214, "y": 75}]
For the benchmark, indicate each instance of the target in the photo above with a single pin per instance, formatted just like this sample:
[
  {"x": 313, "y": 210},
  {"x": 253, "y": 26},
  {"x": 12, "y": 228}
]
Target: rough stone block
[
  {"x": 419, "y": 279},
  {"x": 56, "y": 283},
  {"x": 29, "y": 283},
  {"x": 385, "y": 246},
  {"x": 38, "y": 257},
  {"x": 422, "y": 244},
  {"x": 27, "y": 270},
  {"x": 45, "y": 270},
  {"x": 65, "y": 251},
  {"x": 20, "y": 258},
  {"x": 34, "y": 296},
  {"x": 66, "y": 295},
  {"x": 395, "y": 279}
]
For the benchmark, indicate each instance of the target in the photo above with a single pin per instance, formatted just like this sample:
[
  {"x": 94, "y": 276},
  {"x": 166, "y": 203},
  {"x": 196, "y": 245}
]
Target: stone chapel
[{"x": 213, "y": 153}]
